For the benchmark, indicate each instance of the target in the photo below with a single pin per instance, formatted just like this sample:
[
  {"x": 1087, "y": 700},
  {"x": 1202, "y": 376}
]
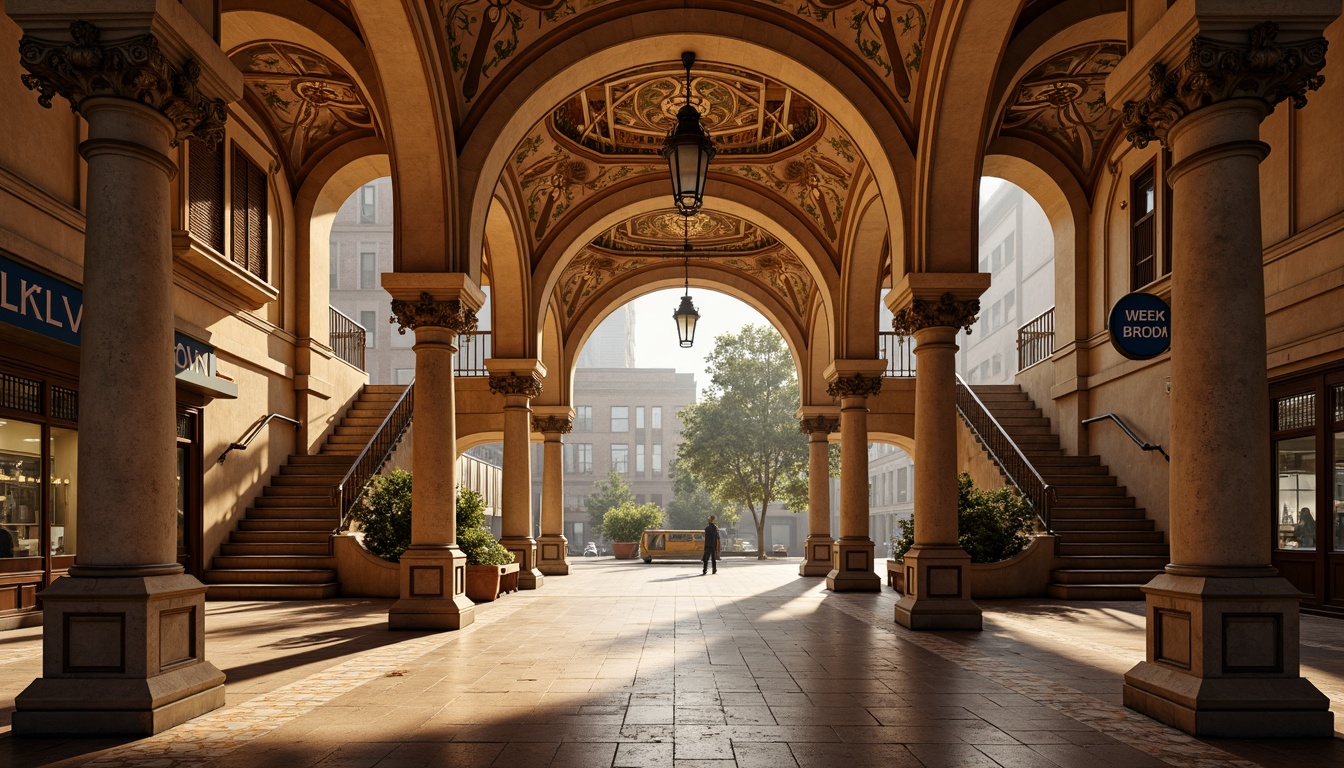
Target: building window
[
  {"x": 583, "y": 418},
  {"x": 579, "y": 458},
  {"x": 656, "y": 417},
  {"x": 1009, "y": 303},
  {"x": 334, "y": 258},
  {"x": 368, "y": 270},
  {"x": 639, "y": 460},
  {"x": 1143, "y": 232},
  {"x": 657, "y": 460},
  {"x": 248, "y": 249},
  {"x": 620, "y": 459},
  {"x": 1009, "y": 246},
  {"x": 902, "y": 485},
  {"x": 640, "y": 498},
  {"x": 639, "y": 417},
  {"x": 996, "y": 316},
  {"x": 657, "y": 498},
  {"x": 368, "y": 205},
  {"x": 620, "y": 418},
  {"x": 366, "y": 319},
  {"x": 205, "y": 193},
  {"x": 998, "y": 364}
]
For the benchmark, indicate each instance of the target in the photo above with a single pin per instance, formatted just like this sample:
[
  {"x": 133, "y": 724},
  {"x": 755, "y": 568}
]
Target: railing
[
  {"x": 348, "y": 338},
  {"x": 473, "y": 349},
  {"x": 374, "y": 455},
  {"x": 1036, "y": 339},
  {"x": 247, "y": 439},
  {"x": 1147, "y": 446},
  {"x": 1005, "y": 452},
  {"x": 899, "y": 351}
]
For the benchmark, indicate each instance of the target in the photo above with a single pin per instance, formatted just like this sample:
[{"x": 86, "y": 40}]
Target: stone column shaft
[
  {"x": 552, "y": 547},
  {"x": 853, "y": 382},
  {"x": 817, "y": 556},
  {"x": 518, "y": 383}
]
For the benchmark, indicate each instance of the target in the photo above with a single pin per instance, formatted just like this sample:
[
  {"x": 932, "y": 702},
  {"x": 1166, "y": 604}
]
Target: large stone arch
[
  {"x": 715, "y": 35},
  {"x": 861, "y": 282},
  {"x": 515, "y": 332}
]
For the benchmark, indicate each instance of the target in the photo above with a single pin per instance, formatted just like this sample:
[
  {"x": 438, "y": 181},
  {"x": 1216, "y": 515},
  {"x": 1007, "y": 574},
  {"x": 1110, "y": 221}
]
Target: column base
[
  {"x": 818, "y": 558},
  {"x": 553, "y": 555},
  {"x": 852, "y": 571},
  {"x": 1223, "y": 660},
  {"x": 120, "y": 656},
  {"x": 433, "y": 590},
  {"x": 524, "y": 549},
  {"x": 937, "y": 590}
]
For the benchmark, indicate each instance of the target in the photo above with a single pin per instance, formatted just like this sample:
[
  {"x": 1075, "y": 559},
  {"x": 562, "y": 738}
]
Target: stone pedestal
[
  {"x": 817, "y": 552},
  {"x": 1222, "y": 656},
  {"x": 552, "y": 548},
  {"x": 518, "y": 381},
  {"x": 123, "y": 633},
  {"x": 854, "y": 381},
  {"x": 438, "y": 307},
  {"x": 931, "y": 308}
]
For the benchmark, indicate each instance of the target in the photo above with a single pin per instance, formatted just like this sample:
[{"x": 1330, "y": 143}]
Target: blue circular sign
[{"x": 1140, "y": 325}]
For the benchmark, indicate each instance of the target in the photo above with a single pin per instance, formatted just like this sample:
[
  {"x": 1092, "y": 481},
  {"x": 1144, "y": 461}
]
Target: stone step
[
  {"x": 324, "y": 524},
  {"x": 269, "y": 576},
  {"x": 1067, "y": 492},
  {"x": 1096, "y": 549},
  {"x": 1111, "y": 562},
  {"x": 1065, "y": 461},
  {"x": 1095, "y": 592},
  {"x": 321, "y": 492},
  {"x": 295, "y": 511},
  {"x": 1097, "y": 576},
  {"x": 1015, "y": 421},
  {"x": 1110, "y": 537},
  {"x": 1067, "y": 502},
  {"x": 331, "y": 471},
  {"x": 1017, "y": 407},
  {"x": 1020, "y": 431},
  {"x": 283, "y": 562},
  {"x": 395, "y": 389},
  {"x": 316, "y": 460},
  {"x": 1101, "y": 524},
  {"x": 358, "y": 412},
  {"x": 275, "y": 536},
  {"x": 362, "y": 421},
  {"x": 985, "y": 388},
  {"x": 378, "y": 396},
  {"x": 1097, "y": 513},
  {"x": 1000, "y": 396},
  {"x": 283, "y": 548},
  {"x": 366, "y": 432},
  {"x": 307, "y": 481},
  {"x": 335, "y": 440},
  {"x": 1079, "y": 476},
  {"x": 348, "y": 452},
  {"x": 273, "y": 591}
]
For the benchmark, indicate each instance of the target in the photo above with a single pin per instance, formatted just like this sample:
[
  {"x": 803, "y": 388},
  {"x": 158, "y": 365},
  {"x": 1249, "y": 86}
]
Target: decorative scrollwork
[
  {"x": 426, "y": 311},
  {"x": 133, "y": 69},
  {"x": 548, "y": 424},
  {"x": 513, "y": 384},
  {"x": 857, "y": 385},
  {"x": 1214, "y": 71},
  {"x": 945, "y": 312},
  {"x": 818, "y": 424}
]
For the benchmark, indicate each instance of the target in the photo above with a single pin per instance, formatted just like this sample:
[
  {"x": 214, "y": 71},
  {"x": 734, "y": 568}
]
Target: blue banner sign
[
  {"x": 1140, "y": 325},
  {"x": 53, "y": 308}
]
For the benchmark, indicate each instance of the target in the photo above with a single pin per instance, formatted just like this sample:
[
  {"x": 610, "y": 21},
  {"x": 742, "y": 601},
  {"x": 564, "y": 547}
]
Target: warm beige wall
[{"x": 974, "y": 460}]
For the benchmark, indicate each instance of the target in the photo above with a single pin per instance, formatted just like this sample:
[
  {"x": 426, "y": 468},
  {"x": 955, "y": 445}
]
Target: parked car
[
  {"x": 779, "y": 549},
  {"x": 590, "y": 550}
]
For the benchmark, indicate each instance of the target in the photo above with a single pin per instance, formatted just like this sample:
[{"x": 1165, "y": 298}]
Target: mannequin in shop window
[{"x": 1306, "y": 529}]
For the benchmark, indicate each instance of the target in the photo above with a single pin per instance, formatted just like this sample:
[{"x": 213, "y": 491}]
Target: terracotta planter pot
[
  {"x": 625, "y": 550},
  {"x": 487, "y": 582}
]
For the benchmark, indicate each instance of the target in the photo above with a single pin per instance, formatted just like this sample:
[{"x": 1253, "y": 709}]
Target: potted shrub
[
  {"x": 384, "y": 515},
  {"x": 489, "y": 564},
  {"x": 625, "y": 524}
]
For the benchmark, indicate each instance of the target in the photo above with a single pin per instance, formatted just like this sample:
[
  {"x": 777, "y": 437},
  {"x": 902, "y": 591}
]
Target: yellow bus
[{"x": 671, "y": 545}]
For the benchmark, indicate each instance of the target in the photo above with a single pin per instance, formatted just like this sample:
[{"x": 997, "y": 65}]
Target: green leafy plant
[
  {"x": 629, "y": 521},
  {"x": 607, "y": 495},
  {"x": 384, "y": 515},
  {"x": 993, "y": 525},
  {"x": 473, "y": 538}
]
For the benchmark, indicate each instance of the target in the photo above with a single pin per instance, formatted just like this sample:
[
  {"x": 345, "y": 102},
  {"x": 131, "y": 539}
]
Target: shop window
[
  {"x": 20, "y": 394},
  {"x": 620, "y": 459},
  {"x": 620, "y": 418},
  {"x": 20, "y": 490},
  {"x": 205, "y": 193},
  {"x": 1295, "y": 412},
  {"x": 64, "y": 490},
  {"x": 1295, "y": 492},
  {"x": 1143, "y": 228},
  {"x": 248, "y": 247}
]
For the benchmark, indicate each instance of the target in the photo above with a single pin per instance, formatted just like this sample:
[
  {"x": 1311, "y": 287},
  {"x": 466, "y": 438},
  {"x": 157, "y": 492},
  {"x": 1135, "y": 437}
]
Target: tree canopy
[
  {"x": 692, "y": 504},
  {"x": 610, "y": 494},
  {"x": 741, "y": 442}
]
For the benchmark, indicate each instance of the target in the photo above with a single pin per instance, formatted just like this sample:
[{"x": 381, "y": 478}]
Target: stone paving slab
[{"x": 626, "y": 665}]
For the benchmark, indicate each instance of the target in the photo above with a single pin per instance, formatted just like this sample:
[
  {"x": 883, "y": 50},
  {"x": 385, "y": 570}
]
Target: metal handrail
[
  {"x": 247, "y": 439},
  {"x": 375, "y": 454},
  {"x": 1036, "y": 339},
  {"x": 1005, "y": 452},
  {"x": 899, "y": 351},
  {"x": 1145, "y": 445}
]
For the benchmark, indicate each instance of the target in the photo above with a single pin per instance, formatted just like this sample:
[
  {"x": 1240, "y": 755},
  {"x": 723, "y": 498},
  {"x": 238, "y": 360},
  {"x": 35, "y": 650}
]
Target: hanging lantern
[{"x": 688, "y": 150}]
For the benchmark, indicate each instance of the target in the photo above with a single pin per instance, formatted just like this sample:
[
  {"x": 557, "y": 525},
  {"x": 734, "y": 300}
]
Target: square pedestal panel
[
  {"x": 525, "y": 555},
  {"x": 552, "y": 555},
  {"x": 433, "y": 590},
  {"x": 852, "y": 567},
  {"x": 937, "y": 590},
  {"x": 818, "y": 560}
]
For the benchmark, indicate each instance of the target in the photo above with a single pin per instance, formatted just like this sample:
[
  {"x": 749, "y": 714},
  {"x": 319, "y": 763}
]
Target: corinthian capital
[
  {"x": 820, "y": 423},
  {"x": 946, "y": 312},
  {"x": 133, "y": 69},
  {"x": 545, "y": 424},
  {"x": 426, "y": 311},
  {"x": 513, "y": 384},
  {"x": 1216, "y": 70},
  {"x": 857, "y": 385}
]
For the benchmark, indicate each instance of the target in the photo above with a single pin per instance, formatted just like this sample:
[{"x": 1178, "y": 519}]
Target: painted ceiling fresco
[
  {"x": 1061, "y": 104},
  {"x": 308, "y": 100},
  {"x": 485, "y": 36},
  {"x": 653, "y": 239}
]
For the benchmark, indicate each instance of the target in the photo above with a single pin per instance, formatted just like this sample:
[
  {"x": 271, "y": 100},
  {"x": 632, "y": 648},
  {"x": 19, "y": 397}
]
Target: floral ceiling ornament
[
  {"x": 947, "y": 312},
  {"x": 820, "y": 183},
  {"x": 879, "y": 26}
]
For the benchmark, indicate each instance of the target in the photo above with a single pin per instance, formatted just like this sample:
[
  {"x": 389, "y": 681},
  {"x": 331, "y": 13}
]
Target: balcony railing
[
  {"x": 1036, "y": 339},
  {"x": 473, "y": 349},
  {"x": 347, "y": 339},
  {"x": 900, "y": 354}
]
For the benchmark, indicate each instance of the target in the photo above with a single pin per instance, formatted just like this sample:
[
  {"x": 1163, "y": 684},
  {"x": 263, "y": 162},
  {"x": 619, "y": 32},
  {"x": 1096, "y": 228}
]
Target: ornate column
[
  {"x": 124, "y": 634},
  {"x": 1222, "y": 657},
  {"x": 552, "y": 548},
  {"x": 438, "y": 307},
  {"x": 817, "y": 558},
  {"x": 853, "y": 381},
  {"x": 518, "y": 381},
  {"x": 937, "y": 585}
]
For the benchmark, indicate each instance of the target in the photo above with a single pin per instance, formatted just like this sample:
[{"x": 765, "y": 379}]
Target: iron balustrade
[
  {"x": 371, "y": 460},
  {"x": 1145, "y": 445},
  {"x": 473, "y": 349},
  {"x": 899, "y": 351},
  {"x": 348, "y": 338},
  {"x": 1036, "y": 339},
  {"x": 251, "y": 435},
  {"x": 1005, "y": 452}
]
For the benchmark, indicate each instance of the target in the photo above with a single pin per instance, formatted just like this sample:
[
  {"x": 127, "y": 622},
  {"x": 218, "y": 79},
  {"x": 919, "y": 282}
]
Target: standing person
[{"x": 711, "y": 547}]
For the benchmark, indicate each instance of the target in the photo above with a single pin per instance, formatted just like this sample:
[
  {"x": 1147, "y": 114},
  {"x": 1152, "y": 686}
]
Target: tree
[
  {"x": 611, "y": 493},
  {"x": 629, "y": 521},
  {"x": 742, "y": 441},
  {"x": 692, "y": 504}
]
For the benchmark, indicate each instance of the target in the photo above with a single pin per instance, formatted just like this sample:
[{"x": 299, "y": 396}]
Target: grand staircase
[
  {"x": 1108, "y": 548},
  {"x": 282, "y": 548}
]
